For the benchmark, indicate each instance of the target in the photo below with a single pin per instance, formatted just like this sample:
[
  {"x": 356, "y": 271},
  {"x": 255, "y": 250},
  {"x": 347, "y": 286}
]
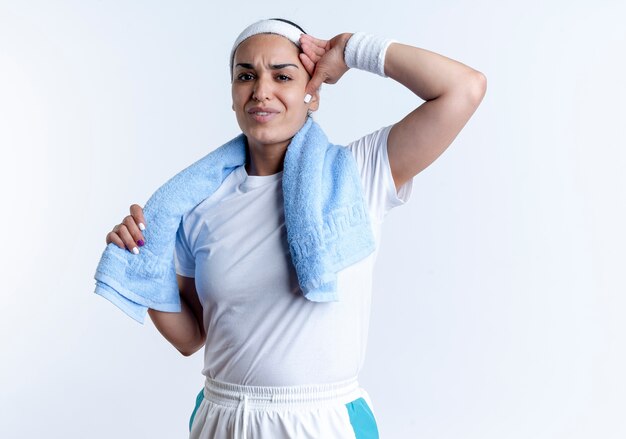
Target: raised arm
[{"x": 452, "y": 92}]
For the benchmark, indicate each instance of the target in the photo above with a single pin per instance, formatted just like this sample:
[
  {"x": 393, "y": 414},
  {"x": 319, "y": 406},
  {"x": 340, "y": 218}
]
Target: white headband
[{"x": 291, "y": 32}]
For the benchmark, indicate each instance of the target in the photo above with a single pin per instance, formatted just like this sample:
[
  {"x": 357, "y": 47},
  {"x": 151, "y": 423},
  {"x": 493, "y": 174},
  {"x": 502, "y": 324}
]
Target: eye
[
  {"x": 245, "y": 77},
  {"x": 283, "y": 78}
]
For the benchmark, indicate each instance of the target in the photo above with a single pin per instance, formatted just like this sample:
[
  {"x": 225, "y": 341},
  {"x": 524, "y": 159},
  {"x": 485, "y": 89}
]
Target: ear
[
  {"x": 314, "y": 104},
  {"x": 232, "y": 106}
]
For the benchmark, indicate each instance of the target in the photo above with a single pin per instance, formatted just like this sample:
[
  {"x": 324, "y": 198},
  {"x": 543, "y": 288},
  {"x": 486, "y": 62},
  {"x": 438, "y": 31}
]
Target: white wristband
[{"x": 367, "y": 52}]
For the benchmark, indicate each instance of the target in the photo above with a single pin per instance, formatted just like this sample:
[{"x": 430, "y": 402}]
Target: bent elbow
[
  {"x": 478, "y": 87},
  {"x": 188, "y": 352}
]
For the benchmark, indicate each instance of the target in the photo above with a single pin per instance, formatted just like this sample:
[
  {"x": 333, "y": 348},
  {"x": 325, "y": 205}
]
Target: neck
[{"x": 266, "y": 160}]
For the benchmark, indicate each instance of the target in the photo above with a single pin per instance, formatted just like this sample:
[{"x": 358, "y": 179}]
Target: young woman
[{"x": 277, "y": 364}]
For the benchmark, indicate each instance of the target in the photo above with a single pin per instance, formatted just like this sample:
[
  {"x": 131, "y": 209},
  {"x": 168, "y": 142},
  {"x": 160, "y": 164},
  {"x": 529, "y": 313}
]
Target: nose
[{"x": 262, "y": 89}]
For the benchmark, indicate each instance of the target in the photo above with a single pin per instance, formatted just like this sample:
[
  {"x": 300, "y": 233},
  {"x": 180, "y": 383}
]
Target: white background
[{"x": 499, "y": 291}]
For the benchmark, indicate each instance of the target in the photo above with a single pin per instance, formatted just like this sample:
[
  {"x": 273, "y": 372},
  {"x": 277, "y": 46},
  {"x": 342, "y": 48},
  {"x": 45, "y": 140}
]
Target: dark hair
[{"x": 288, "y": 22}]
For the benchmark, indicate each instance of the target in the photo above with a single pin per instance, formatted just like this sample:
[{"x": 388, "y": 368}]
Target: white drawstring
[{"x": 241, "y": 417}]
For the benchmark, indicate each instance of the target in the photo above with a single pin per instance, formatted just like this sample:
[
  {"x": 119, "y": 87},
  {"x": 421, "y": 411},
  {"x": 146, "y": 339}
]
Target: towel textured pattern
[{"x": 327, "y": 223}]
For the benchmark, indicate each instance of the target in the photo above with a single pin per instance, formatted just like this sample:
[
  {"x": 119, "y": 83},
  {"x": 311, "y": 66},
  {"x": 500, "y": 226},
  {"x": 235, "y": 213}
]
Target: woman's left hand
[{"x": 323, "y": 59}]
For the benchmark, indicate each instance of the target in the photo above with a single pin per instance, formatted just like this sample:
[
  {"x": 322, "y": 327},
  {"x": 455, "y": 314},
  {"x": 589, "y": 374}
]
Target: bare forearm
[
  {"x": 181, "y": 329},
  {"x": 430, "y": 75}
]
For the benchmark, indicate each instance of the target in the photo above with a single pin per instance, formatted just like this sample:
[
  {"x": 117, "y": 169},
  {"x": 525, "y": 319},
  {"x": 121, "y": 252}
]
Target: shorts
[{"x": 231, "y": 411}]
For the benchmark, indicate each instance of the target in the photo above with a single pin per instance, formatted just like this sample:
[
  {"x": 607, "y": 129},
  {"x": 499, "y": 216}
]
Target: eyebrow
[{"x": 273, "y": 66}]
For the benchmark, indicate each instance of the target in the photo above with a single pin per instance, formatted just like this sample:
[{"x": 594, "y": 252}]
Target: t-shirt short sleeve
[
  {"x": 183, "y": 257},
  {"x": 370, "y": 152}
]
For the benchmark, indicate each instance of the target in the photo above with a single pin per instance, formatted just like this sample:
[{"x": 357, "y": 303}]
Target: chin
[{"x": 269, "y": 135}]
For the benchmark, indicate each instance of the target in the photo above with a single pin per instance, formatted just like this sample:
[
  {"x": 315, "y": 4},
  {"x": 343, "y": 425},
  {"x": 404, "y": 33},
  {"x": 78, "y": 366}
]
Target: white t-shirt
[{"x": 260, "y": 328}]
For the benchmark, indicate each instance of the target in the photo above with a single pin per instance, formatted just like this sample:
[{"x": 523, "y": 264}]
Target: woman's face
[{"x": 268, "y": 90}]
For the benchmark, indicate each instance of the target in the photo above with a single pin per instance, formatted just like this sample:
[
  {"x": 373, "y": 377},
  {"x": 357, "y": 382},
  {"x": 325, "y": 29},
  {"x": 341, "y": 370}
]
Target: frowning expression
[{"x": 268, "y": 90}]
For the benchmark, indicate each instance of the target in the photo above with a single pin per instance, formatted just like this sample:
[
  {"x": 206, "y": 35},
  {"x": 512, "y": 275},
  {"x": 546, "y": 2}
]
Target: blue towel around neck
[{"x": 328, "y": 226}]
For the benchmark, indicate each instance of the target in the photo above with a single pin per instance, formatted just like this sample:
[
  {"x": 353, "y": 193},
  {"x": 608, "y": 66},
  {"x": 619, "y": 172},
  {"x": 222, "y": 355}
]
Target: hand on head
[{"x": 323, "y": 59}]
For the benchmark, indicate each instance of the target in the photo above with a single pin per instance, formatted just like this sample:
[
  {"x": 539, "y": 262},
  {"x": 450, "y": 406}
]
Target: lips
[{"x": 262, "y": 114}]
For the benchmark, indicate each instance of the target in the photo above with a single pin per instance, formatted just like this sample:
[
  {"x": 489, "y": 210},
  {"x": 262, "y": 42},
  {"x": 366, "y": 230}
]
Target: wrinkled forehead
[
  {"x": 276, "y": 27},
  {"x": 266, "y": 47}
]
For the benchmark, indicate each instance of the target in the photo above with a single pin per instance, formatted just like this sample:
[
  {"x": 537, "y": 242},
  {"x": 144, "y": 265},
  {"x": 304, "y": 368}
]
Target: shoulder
[
  {"x": 370, "y": 150},
  {"x": 372, "y": 159},
  {"x": 374, "y": 140}
]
